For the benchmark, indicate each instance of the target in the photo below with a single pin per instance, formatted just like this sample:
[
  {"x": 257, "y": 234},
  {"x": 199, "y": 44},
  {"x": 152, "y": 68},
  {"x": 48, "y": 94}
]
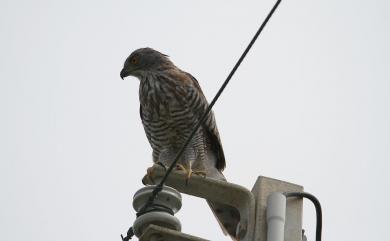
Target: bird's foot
[
  {"x": 189, "y": 172},
  {"x": 150, "y": 173},
  {"x": 162, "y": 165}
]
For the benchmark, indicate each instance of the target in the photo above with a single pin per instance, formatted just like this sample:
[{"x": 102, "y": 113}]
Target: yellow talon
[{"x": 189, "y": 172}]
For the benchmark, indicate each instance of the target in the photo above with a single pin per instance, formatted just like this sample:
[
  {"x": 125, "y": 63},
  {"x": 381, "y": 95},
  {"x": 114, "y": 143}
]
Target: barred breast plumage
[{"x": 171, "y": 103}]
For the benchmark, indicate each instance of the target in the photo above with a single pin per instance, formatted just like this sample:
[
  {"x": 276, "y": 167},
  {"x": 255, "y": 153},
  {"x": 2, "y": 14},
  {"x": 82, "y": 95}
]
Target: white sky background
[{"x": 310, "y": 105}]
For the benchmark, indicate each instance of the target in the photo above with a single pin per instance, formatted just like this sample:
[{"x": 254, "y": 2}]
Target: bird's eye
[{"x": 134, "y": 61}]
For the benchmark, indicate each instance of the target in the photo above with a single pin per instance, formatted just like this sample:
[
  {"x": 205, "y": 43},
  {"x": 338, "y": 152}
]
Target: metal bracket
[{"x": 213, "y": 190}]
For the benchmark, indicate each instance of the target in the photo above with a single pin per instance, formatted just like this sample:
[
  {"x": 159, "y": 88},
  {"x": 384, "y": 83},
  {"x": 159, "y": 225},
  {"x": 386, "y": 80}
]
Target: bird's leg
[{"x": 188, "y": 171}]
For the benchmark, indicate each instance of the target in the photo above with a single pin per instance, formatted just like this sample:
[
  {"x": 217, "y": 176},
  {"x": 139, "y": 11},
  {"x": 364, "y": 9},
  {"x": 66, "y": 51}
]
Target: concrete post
[{"x": 263, "y": 187}]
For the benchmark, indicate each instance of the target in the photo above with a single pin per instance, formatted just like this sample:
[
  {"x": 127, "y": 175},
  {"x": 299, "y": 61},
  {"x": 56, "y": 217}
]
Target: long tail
[{"x": 227, "y": 216}]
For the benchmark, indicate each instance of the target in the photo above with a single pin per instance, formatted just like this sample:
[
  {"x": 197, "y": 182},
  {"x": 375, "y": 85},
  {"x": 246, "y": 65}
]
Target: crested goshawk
[{"x": 171, "y": 104}]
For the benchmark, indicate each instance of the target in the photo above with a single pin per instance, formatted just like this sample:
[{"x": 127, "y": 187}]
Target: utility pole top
[
  {"x": 251, "y": 205},
  {"x": 213, "y": 190}
]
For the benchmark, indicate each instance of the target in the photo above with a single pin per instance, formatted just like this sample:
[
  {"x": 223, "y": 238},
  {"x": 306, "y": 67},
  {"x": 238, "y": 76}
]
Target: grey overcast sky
[{"x": 309, "y": 105}]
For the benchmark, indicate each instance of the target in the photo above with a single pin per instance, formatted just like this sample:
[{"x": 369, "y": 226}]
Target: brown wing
[{"x": 211, "y": 127}]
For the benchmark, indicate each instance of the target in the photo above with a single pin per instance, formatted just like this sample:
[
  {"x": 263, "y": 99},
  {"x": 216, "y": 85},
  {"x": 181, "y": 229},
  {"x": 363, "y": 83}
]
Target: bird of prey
[{"x": 171, "y": 104}]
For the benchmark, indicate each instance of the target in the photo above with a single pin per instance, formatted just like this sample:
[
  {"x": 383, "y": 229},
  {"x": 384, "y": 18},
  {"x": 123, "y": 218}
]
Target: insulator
[{"x": 165, "y": 205}]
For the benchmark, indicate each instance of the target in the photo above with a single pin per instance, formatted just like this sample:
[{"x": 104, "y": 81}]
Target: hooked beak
[{"x": 124, "y": 73}]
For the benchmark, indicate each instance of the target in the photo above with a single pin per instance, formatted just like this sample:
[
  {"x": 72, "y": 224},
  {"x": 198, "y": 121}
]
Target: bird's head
[{"x": 145, "y": 60}]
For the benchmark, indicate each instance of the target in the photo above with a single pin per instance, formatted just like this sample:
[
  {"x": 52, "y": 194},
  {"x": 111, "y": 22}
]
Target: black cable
[
  {"x": 156, "y": 208},
  {"x": 129, "y": 235},
  {"x": 152, "y": 208},
  {"x": 317, "y": 206},
  {"x": 159, "y": 186}
]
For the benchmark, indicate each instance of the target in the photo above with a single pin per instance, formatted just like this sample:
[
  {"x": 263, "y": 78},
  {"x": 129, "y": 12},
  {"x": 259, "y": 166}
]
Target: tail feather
[{"x": 227, "y": 216}]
